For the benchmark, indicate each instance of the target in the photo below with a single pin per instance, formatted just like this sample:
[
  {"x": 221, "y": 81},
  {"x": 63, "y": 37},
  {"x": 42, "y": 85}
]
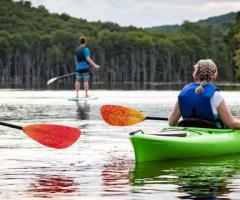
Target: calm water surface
[{"x": 100, "y": 165}]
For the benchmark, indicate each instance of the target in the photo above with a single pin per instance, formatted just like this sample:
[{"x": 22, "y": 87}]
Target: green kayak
[{"x": 183, "y": 142}]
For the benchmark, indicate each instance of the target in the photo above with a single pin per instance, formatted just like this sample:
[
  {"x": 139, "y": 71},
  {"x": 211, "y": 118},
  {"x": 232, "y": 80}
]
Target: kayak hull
[{"x": 185, "y": 143}]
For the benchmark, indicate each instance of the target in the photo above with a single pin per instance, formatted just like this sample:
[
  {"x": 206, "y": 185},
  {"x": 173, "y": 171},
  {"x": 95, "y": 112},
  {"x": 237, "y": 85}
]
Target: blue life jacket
[
  {"x": 193, "y": 105},
  {"x": 82, "y": 64}
]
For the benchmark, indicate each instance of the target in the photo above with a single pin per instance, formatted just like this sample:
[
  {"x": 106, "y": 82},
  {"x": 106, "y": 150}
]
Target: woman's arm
[
  {"x": 227, "y": 117},
  {"x": 174, "y": 115}
]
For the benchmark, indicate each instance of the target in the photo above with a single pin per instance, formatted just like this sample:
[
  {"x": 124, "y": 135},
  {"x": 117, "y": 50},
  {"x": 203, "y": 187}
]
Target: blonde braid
[{"x": 204, "y": 70}]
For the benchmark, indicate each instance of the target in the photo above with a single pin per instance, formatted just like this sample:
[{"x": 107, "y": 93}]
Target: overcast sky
[{"x": 141, "y": 13}]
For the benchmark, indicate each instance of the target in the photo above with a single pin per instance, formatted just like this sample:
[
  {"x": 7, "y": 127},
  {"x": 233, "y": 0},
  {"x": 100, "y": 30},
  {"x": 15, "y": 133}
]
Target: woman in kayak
[
  {"x": 82, "y": 61},
  {"x": 201, "y": 103}
]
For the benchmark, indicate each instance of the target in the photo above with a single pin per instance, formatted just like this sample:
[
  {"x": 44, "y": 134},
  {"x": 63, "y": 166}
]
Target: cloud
[{"x": 141, "y": 13}]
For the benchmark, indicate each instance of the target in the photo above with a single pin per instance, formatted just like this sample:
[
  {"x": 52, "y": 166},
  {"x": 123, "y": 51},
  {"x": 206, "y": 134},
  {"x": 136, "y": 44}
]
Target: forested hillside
[
  {"x": 36, "y": 45},
  {"x": 222, "y": 21}
]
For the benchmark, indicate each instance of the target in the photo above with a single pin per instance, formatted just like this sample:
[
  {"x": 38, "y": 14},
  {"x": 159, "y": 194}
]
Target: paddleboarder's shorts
[{"x": 82, "y": 76}]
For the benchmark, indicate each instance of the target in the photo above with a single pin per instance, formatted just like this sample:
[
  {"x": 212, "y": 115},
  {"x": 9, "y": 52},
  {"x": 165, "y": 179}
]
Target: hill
[{"x": 221, "y": 21}]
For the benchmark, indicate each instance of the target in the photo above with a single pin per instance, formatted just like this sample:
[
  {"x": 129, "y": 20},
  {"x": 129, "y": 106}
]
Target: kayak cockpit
[
  {"x": 184, "y": 132},
  {"x": 161, "y": 134}
]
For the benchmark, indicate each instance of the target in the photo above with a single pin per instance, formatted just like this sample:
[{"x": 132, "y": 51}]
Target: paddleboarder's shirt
[
  {"x": 203, "y": 105},
  {"x": 81, "y": 53}
]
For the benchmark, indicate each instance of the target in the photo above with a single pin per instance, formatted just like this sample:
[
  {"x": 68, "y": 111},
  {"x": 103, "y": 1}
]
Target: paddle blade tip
[
  {"x": 105, "y": 113},
  {"x": 51, "y": 81},
  {"x": 54, "y": 136}
]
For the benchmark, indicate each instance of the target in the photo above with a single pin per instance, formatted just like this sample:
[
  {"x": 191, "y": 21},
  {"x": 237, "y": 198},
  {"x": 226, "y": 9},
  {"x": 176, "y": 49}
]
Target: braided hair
[{"x": 204, "y": 71}]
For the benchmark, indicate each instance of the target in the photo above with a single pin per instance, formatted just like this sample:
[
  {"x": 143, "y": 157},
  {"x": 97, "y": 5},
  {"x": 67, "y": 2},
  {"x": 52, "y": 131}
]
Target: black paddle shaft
[
  {"x": 11, "y": 125},
  {"x": 157, "y": 118}
]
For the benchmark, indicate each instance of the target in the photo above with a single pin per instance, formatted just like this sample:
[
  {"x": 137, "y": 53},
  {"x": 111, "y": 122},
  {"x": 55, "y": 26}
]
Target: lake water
[{"x": 100, "y": 165}]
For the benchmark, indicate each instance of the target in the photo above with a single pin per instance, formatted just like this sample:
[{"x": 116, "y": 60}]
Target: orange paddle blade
[
  {"x": 121, "y": 116},
  {"x": 55, "y": 136}
]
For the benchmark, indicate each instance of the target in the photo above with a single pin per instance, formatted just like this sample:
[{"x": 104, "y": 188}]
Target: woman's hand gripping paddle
[{"x": 123, "y": 116}]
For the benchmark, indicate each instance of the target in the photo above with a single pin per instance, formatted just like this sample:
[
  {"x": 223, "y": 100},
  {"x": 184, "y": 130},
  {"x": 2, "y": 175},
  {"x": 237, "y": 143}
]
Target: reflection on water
[
  {"x": 48, "y": 186},
  {"x": 208, "y": 178},
  {"x": 191, "y": 179},
  {"x": 83, "y": 109},
  {"x": 116, "y": 177}
]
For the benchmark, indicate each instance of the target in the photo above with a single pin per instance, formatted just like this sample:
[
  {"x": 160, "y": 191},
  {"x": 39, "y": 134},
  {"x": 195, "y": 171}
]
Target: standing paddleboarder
[{"x": 83, "y": 63}]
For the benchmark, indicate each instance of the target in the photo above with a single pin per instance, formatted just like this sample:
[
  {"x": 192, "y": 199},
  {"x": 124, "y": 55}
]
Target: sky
[{"x": 140, "y": 13}]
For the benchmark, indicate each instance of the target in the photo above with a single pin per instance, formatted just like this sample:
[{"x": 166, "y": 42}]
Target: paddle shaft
[
  {"x": 11, "y": 125},
  {"x": 157, "y": 118},
  {"x": 56, "y": 78},
  {"x": 66, "y": 75}
]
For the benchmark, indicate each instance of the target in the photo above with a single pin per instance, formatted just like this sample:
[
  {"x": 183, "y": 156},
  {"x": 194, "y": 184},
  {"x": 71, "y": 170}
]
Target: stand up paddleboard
[{"x": 82, "y": 99}]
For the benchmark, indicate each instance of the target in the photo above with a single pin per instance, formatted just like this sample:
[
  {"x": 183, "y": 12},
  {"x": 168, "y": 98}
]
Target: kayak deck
[{"x": 182, "y": 142}]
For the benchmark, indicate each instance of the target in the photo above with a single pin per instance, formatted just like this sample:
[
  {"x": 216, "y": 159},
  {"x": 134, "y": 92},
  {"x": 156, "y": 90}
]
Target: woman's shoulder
[
  {"x": 217, "y": 94},
  {"x": 217, "y": 98}
]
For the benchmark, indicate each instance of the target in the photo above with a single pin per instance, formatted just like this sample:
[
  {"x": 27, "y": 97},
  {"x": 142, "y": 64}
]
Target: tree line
[{"x": 36, "y": 45}]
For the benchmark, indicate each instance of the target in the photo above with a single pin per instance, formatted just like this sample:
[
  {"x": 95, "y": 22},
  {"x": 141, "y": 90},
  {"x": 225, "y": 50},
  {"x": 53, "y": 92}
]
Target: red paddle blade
[
  {"x": 55, "y": 136},
  {"x": 120, "y": 115}
]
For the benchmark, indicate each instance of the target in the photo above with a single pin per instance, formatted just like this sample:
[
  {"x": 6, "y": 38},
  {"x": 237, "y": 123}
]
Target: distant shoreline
[{"x": 168, "y": 83}]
